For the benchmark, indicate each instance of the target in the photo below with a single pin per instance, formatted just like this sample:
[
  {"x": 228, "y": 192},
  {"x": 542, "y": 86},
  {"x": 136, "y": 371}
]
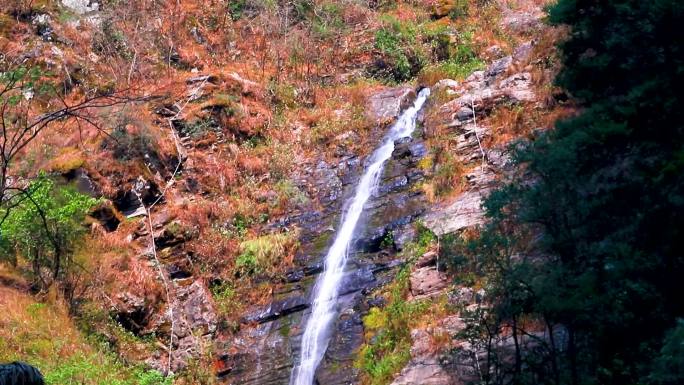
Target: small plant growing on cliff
[
  {"x": 403, "y": 56},
  {"x": 387, "y": 241},
  {"x": 266, "y": 253},
  {"x": 388, "y": 344}
]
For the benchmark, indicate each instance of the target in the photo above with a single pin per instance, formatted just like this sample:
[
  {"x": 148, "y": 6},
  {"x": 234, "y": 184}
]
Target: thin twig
[{"x": 479, "y": 144}]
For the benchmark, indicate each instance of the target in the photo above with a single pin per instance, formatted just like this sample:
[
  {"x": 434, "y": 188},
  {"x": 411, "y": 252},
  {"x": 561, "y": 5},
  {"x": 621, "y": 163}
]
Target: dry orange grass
[{"x": 252, "y": 164}]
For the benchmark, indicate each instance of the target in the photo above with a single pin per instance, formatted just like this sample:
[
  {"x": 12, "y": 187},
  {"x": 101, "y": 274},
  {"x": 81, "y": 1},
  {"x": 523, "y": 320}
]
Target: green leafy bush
[
  {"x": 403, "y": 56},
  {"x": 44, "y": 226}
]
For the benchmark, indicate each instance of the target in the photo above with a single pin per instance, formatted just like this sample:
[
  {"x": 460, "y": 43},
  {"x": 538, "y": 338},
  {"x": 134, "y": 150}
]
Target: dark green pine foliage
[{"x": 606, "y": 190}]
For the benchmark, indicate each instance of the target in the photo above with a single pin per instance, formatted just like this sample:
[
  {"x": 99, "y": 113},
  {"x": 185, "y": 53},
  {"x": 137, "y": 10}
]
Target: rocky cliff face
[
  {"x": 265, "y": 349},
  {"x": 221, "y": 137},
  {"x": 474, "y": 99},
  {"x": 267, "y": 346}
]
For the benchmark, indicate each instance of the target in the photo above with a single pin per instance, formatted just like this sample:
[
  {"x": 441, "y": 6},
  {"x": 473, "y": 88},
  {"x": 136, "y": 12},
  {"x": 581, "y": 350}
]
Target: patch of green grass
[
  {"x": 388, "y": 331},
  {"x": 44, "y": 335},
  {"x": 290, "y": 192},
  {"x": 266, "y": 252},
  {"x": 225, "y": 298},
  {"x": 97, "y": 369},
  {"x": 399, "y": 43},
  {"x": 461, "y": 58}
]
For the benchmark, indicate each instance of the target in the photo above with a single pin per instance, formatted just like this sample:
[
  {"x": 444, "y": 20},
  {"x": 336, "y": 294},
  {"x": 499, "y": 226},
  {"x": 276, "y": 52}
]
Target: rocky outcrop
[
  {"x": 81, "y": 7},
  {"x": 478, "y": 95},
  {"x": 454, "y": 362},
  {"x": 427, "y": 366},
  {"x": 388, "y": 104},
  {"x": 266, "y": 347},
  {"x": 190, "y": 321},
  {"x": 426, "y": 279}
]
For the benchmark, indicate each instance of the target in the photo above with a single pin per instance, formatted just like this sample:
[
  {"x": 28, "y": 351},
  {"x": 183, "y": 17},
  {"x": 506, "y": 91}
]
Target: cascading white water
[{"x": 316, "y": 335}]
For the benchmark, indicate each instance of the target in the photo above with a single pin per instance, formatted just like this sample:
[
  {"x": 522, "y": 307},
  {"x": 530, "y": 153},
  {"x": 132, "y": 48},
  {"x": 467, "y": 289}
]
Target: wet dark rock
[
  {"x": 417, "y": 150},
  {"x": 277, "y": 310},
  {"x": 313, "y": 269},
  {"x": 294, "y": 276},
  {"x": 357, "y": 280},
  {"x": 337, "y": 366},
  {"x": 393, "y": 184}
]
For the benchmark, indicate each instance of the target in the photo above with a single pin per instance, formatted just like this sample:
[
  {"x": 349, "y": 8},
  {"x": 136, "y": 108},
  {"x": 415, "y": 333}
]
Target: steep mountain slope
[{"x": 220, "y": 184}]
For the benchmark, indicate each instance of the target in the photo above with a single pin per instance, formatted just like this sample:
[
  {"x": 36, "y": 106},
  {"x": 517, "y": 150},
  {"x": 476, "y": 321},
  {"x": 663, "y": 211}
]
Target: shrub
[
  {"x": 129, "y": 144},
  {"x": 388, "y": 333},
  {"x": 44, "y": 226},
  {"x": 224, "y": 296},
  {"x": 461, "y": 60},
  {"x": 459, "y": 9},
  {"x": 291, "y": 193},
  {"x": 327, "y": 20},
  {"x": 403, "y": 56},
  {"x": 265, "y": 253},
  {"x": 283, "y": 95}
]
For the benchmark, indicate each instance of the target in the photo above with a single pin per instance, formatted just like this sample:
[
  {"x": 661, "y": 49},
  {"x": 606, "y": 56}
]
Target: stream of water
[{"x": 324, "y": 306}]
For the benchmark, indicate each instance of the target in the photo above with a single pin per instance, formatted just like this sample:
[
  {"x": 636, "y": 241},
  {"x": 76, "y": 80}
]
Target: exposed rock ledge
[{"x": 480, "y": 94}]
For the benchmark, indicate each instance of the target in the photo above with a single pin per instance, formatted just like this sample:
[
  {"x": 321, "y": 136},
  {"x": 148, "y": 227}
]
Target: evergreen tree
[{"x": 606, "y": 191}]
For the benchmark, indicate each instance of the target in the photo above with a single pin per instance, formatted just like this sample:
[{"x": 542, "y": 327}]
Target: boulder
[
  {"x": 426, "y": 281},
  {"x": 522, "y": 21},
  {"x": 465, "y": 211},
  {"x": 427, "y": 259},
  {"x": 132, "y": 312},
  {"x": 81, "y": 7},
  {"x": 494, "y": 52},
  {"x": 386, "y": 105}
]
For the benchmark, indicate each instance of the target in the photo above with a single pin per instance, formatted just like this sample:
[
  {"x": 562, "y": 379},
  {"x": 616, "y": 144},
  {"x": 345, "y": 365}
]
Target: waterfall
[{"x": 324, "y": 309}]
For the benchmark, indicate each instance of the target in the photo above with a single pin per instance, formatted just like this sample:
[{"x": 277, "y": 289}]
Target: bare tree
[{"x": 25, "y": 95}]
